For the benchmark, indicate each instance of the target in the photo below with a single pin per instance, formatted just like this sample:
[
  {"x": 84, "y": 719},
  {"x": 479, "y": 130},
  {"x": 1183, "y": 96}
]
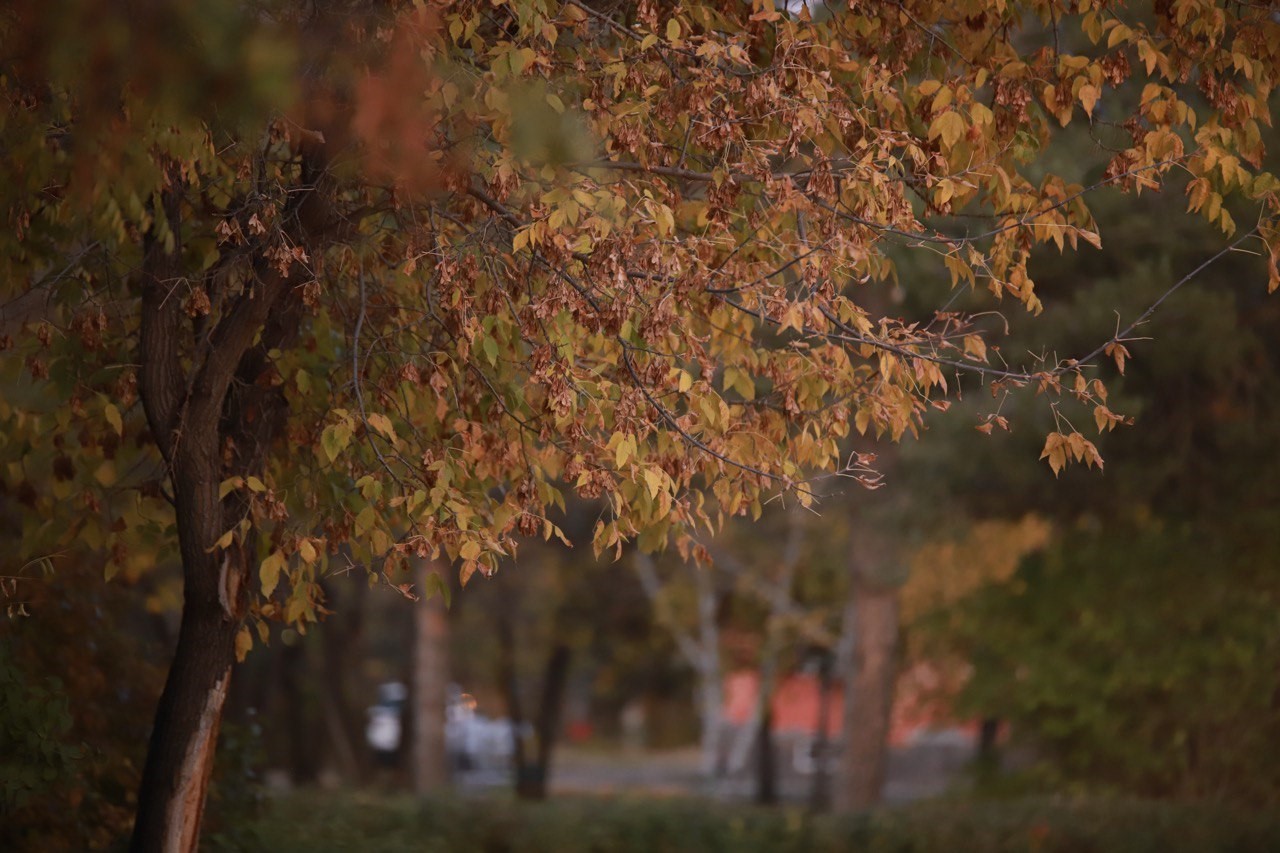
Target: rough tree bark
[
  {"x": 206, "y": 432},
  {"x": 869, "y": 691}
]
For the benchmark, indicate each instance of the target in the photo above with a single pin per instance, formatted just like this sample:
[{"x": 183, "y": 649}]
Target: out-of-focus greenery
[
  {"x": 79, "y": 678},
  {"x": 338, "y": 822},
  {"x": 1138, "y": 653},
  {"x": 34, "y": 719},
  {"x": 1142, "y": 661}
]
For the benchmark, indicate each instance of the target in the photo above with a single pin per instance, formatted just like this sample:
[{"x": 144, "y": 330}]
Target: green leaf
[{"x": 335, "y": 439}]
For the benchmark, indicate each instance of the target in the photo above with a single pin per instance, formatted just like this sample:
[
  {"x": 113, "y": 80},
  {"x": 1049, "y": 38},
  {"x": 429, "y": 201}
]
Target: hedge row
[{"x": 333, "y": 822}]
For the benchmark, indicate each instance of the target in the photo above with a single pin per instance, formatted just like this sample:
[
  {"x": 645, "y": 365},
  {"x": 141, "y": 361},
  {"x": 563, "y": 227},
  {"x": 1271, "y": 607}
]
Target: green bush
[{"x": 309, "y": 821}]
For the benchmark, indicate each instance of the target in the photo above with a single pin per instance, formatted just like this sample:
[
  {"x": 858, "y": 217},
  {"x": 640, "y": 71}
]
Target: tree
[
  {"x": 397, "y": 278},
  {"x": 1164, "y": 684}
]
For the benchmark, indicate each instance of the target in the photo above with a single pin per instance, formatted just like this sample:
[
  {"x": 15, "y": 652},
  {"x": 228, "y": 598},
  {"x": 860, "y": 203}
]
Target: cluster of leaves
[{"x": 640, "y": 254}]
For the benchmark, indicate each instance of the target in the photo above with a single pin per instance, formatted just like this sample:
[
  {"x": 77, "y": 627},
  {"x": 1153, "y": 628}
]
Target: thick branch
[{"x": 161, "y": 375}]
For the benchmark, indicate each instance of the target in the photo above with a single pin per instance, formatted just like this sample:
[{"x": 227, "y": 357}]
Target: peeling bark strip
[
  {"x": 186, "y": 809},
  {"x": 229, "y": 584}
]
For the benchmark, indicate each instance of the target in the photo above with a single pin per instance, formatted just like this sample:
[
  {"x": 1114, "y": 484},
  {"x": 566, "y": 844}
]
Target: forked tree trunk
[
  {"x": 206, "y": 430},
  {"x": 869, "y": 692},
  {"x": 428, "y": 766}
]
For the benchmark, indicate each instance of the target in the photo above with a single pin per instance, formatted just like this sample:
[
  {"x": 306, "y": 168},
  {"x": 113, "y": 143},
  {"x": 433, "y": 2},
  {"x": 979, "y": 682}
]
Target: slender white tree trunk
[{"x": 701, "y": 652}]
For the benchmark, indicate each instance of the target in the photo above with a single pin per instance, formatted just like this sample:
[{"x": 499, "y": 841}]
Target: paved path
[{"x": 924, "y": 769}]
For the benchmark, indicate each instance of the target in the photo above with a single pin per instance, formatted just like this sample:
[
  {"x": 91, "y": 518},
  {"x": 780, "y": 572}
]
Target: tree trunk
[
  {"x": 707, "y": 666},
  {"x": 547, "y": 725},
  {"x": 869, "y": 692},
  {"x": 206, "y": 430},
  {"x": 510, "y": 683},
  {"x": 766, "y": 764},
  {"x": 304, "y": 760},
  {"x": 820, "y": 795},
  {"x": 702, "y": 654},
  {"x": 428, "y": 764},
  {"x": 340, "y": 638},
  {"x": 711, "y": 706},
  {"x": 179, "y": 762}
]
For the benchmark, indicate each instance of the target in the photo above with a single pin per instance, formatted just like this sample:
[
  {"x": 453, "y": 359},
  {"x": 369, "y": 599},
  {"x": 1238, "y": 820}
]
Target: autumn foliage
[{"x": 415, "y": 277}]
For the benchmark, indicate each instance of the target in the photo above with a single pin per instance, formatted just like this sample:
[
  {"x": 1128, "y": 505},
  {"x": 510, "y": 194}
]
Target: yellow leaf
[
  {"x": 224, "y": 540},
  {"x": 254, "y": 484},
  {"x": 112, "y": 415},
  {"x": 1055, "y": 451},
  {"x": 625, "y": 450},
  {"x": 382, "y": 424},
  {"x": 663, "y": 218},
  {"x": 469, "y": 551},
  {"x": 1119, "y": 352},
  {"x": 975, "y": 347},
  {"x": 364, "y": 521},
  {"x": 948, "y": 126},
  {"x": 269, "y": 572},
  {"x": 673, "y": 30},
  {"x": 655, "y": 479},
  {"x": 105, "y": 473},
  {"x": 307, "y": 550},
  {"x": 244, "y": 642},
  {"x": 1089, "y": 95}
]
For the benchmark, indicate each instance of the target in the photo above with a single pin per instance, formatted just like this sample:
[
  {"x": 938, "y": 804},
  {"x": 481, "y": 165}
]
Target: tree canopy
[{"x": 349, "y": 282}]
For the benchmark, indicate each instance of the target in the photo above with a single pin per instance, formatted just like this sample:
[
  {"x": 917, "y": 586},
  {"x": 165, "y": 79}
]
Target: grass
[{"x": 365, "y": 821}]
